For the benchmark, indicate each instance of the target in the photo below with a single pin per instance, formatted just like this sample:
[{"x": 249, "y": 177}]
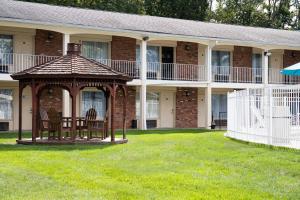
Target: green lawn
[{"x": 177, "y": 164}]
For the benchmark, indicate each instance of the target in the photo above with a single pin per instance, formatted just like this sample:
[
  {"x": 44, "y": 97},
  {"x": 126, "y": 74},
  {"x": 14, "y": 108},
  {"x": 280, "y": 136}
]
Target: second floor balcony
[
  {"x": 226, "y": 74},
  {"x": 12, "y": 62}
]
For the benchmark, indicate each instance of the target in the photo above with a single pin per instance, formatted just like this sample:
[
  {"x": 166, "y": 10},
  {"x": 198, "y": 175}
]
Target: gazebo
[{"x": 73, "y": 73}]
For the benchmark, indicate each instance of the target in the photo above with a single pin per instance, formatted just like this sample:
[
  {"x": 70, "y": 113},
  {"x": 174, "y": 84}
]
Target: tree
[
  {"x": 242, "y": 12},
  {"x": 183, "y": 9},
  {"x": 127, "y": 6},
  {"x": 279, "y": 13}
]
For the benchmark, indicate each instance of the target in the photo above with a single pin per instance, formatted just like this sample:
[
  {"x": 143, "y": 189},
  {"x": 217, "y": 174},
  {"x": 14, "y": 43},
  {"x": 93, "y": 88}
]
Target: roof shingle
[{"x": 58, "y": 15}]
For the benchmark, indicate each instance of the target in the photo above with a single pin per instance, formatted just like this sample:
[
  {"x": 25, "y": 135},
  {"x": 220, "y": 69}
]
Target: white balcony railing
[
  {"x": 174, "y": 71},
  {"x": 131, "y": 68},
  {"x": 275, "y": 77},
  {"x": 236, "y": 74},
  {"x": 11, "y": 63}
]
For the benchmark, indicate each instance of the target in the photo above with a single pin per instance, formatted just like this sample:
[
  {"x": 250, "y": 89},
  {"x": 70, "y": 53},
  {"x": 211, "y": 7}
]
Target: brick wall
[
  {"x": 187, "y": 53},
  {"x": 130, "y": 108},
  {"x": 123, "y": 48},
  {"x": 242, "y": 57},
  {"x": 186, "y": 108},
  {"x": 290, "y": 57},
  {"x": 53, "y": 100},
  {"x": 46, "y": 46}
]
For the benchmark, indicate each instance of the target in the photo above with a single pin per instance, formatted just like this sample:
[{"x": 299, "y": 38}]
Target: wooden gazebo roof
[{"x": 72, "y": 65}]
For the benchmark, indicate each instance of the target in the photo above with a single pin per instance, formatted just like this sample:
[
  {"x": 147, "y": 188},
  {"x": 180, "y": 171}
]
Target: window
[
  {"x": 93, "y": 99},
  {"x": 95, "y": 50},
  {"x": 219, "y": 106},
  {"x": 257, "y": 66},
  {"x": 220, "y": 61},
  {"x": 6, "y": 49},
  {"x": 6, "y": 98},
  {"x": 153, "y": 57},
  {"x": 152, "y": 105}
]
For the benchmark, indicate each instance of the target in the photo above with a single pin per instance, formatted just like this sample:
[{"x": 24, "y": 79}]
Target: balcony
[
  {"x": 11, "y": 63},
  {"x": 176, "y": 72},
  {"x": 275, "y": 77},
  {"x": 131, "y": 68},
  {"x": 225, "y": 74}
]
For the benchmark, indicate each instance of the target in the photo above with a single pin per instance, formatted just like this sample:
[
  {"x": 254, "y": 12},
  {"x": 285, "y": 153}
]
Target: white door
[
  {"x": 167, "y": 111},
  {"x": 201, "y": 110},
  {"x": 276, "y": 64}
]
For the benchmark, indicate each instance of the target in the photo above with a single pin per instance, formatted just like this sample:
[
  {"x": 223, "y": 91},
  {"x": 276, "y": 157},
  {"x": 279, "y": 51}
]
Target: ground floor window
[
  {"x": 219, "y": 106},
  {"x": 93, "y": 99},
  {"x": 6, "y": 98},
  {"x": 152, "y": 105}
]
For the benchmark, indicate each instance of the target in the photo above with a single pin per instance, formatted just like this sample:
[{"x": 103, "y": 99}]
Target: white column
[
  {"x": 66, "y": 95},
  {"x": 66, "y": 40},
  {"x": 143, "y": 88},
  {"x": 265, "y": 67},
  {"x": 208, "y": 106},
  {"x": 208, "y": 52}
]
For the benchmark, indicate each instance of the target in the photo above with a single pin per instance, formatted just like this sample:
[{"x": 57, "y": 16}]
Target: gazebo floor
[{"x": 28, "y": 141}]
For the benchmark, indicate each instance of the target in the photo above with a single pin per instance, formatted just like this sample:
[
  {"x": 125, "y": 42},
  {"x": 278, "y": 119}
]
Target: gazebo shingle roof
[{"x": 71, "y": 65}]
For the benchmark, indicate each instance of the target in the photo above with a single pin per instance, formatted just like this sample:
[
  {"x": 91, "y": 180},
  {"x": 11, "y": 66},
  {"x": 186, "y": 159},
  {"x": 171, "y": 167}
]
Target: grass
[{"x": 169, "y": 164}]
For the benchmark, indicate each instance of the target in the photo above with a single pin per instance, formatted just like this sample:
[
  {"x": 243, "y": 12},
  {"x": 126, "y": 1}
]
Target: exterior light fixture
[
  {"x": 50, "y": 91},
  {"x": 186, "y": 93},
  {"x": 267, "y": 53},
  {"x": 187, "y": 47},
  {"x": 146, "y": 38},
  {"x": 50, "y": 37}
]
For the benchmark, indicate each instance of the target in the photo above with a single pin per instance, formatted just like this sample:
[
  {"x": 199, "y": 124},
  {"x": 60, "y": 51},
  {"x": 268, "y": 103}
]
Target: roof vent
[{"x": 74, "y": 49}]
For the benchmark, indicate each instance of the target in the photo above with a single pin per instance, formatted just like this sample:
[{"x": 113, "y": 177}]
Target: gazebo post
[
  {"x": 74, "y": 94},
  {"x": 107, "y": 94},
  {"x": 124, "y": 110},
  {"x": 112, "y": 108},
  {"x": 34, "y": 109},
  {"x": 20, "y": 110}
]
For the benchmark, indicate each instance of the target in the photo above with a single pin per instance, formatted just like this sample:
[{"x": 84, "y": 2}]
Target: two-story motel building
[{"x": 182, "y": 69}]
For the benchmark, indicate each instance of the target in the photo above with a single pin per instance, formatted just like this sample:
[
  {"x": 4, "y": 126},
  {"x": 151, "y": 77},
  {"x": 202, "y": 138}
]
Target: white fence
[{"x": 265, "y": 115}]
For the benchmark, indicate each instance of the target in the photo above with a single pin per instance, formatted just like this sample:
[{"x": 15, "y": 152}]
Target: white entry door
[
  {"x": 201, "y": 111},
  {"x": 167, "y": 111}
]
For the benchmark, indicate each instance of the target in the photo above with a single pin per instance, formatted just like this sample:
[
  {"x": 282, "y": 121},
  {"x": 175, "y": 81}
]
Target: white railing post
[
  {"x": 270, "y": 132},
  {"x": 208, "y": 107},
  {"x": 265, "y": 66},
  {"x": 208, "y": 56},
  {"x": 143, "y": 88},
  {"x": 66, "y": 95}
]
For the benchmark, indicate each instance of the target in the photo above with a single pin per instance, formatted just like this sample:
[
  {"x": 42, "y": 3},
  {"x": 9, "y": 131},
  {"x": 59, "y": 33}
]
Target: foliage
[
  {"x": 183, "y": 9},
  {"x": 281, "y": 14},
  {"x": 172, "y": 164}
]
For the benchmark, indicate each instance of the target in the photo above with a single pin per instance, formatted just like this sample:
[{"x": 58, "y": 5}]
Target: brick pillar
[
  {"x": 51, "y": 100},
  {"x": 186, "y": 108},
  {"x": 187, "y": 53},
  {"x": 48, "y": 43},
  {"x": 290, "y": 57},
  {"x": 242, "y": 57},
  {"x": 130, "y": 108},
  {"x": 123, "y": 48}
]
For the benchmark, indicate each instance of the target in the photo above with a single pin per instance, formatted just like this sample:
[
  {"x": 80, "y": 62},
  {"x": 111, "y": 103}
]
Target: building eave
[{"x": 81, "y": 29}]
